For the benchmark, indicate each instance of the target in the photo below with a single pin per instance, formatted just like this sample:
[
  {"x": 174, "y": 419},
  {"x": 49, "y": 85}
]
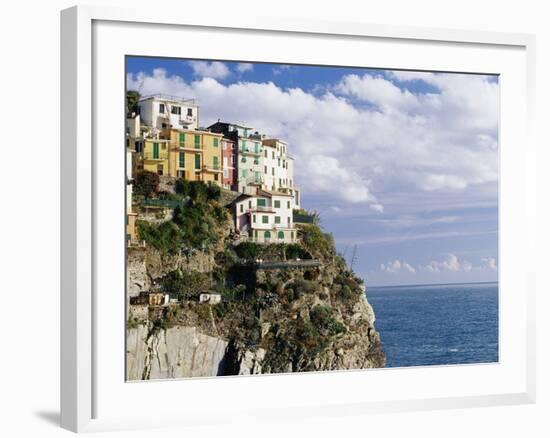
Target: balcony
[
  {"x": 187, "y": 120},
  {"x": 152, "y": 157},
  {"x": 261, "y": 209},
  {"x": 189, "y": 148},
  {"x": 250, "y": 152},
  {"x": 212, "y": 169}
]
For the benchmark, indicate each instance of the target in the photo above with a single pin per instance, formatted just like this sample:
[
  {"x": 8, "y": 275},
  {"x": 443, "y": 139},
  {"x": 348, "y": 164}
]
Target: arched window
[
  {"x": 281, "y": 235},
  {"x": 267, "y": 235}
]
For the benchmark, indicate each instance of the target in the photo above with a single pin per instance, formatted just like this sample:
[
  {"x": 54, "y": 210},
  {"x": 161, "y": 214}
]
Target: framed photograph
[{"x": 291, "y": 218}]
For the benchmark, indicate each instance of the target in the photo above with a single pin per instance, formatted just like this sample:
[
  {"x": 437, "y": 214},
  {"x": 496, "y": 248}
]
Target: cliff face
[
  {"x": 314, "y": 324},
  {"x": 173, "y": 353}
]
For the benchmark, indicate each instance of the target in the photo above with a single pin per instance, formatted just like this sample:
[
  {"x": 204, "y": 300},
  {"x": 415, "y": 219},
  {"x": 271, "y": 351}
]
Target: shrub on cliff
[
  {"x": 320, "y": 244},
  {"x": 146, "y": 184},
  {"x": 186, "y": 285},
  {"x": 197, "y": 191},
  {"x": 166, "y": 237},
  {"x": 322, "y": 318}
]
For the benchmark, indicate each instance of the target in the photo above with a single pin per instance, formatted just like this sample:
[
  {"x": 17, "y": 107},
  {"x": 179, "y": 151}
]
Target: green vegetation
[
  {"x": 132, "y": 98},
  {"x": 186, "y": 285},
  {"x": 146, "y": 184},
  {"x": 273, "y": 252},
  {"x": 166, "y": 237},
  {"x": 198, "y": 191},
  {"x": 319, "y": 244},
  {"x": 325, "y": 323},
  {"x": 196, "y": 226}
]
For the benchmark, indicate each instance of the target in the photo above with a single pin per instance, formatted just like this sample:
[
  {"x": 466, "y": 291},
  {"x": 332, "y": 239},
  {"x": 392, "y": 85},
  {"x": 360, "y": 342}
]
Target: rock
[
  {"x": 265, "y": 328},
  {"x": 173, "y": 353}
]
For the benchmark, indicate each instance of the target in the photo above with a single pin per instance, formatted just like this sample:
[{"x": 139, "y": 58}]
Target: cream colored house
[{"x": 265, "y": 217}]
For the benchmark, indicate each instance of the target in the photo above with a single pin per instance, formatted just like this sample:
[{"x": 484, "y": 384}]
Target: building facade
[
  {"x": 229, "y": 158},
  {"x": 155, "y": 156},
  {"x": 131, "y": 233},
  {"x": 160, "y": 111},
  {"x": 195, "y": 155},
  {"x": 265, "y": 218}
]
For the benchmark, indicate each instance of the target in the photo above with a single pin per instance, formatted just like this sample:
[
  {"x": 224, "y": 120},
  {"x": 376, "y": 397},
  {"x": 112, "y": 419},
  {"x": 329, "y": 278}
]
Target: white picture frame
[{"x": 83, "y": 376}]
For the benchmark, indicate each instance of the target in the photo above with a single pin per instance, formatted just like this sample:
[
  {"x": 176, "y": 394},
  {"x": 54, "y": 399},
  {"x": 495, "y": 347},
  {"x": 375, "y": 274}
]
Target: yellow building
[
  {"x": 195, "y": 155},
  {"x": 155, "y": 156}
]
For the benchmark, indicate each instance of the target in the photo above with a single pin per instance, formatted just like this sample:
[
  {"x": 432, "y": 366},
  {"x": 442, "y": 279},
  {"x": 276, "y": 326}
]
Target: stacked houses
[{"x": 166, "y": 138}]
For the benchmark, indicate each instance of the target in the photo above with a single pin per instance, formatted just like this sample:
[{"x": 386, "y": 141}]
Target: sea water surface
[{"x": 437, "y": 324}]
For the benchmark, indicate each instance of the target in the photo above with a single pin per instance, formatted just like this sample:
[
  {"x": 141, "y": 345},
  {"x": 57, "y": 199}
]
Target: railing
[
  {"x": 170, "y": 97},
  {"x": 164, "y": 203},
  {"x": 212, "y": 168},
  {"x": 289, "y": 264},
  {"x": 262, "y": 208},
  {"x": 158, "y": 157}
]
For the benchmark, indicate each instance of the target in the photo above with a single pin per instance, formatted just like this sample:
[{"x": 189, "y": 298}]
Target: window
[
  {"x": 261, "y": 202},
  {"x": 176, "y": 110},
  {"x": 215, "y": 142},
  {"x": 249, "y": 204},
  {"x": 273, "y": 155},
  {"x": 243, "y": 146},
  {"x": 182, "y": 139},
  {"x": 241, "y": 208},
  {"x": 265, "y": 153},
  {"x": 256, "y": 234},
  {"x": 279, "y": 162},
  {"x": 257, "y": 177},
  {"x": 288, "y": 221},
  {"x": 182, "y": 159},
  {"x": 254, "y": 218},
  {"x": 277, "y": 219},
  {"x": 256, "y": 161},
  {"x": 160, "y": 169},
  {"x": 273, "y": 171},
  {"x": 256, "y": 148},
  {"x": 277, "y": 204},
  {"x": 287, "y": 204},
  {"x": 197, "y": 141},
  {"x": 163, "y": 146},
  {"x": 216, "y": 163},
  {"x": 190, "y": 112},
  {"x": 292, "y": 235},
  {"x": 267, "y": 235},
  {"x": 265, "y": 169},
  {"x": 155, "y": 151},
  {"x": 197, "y": 161},
  {"x": 245, "y": 133},
  {"x": 161, "y": 108},
  {"x": 265, "y": 219},
  {"x": 243, "y": 159},
  {"x": 281, "y": 235}
]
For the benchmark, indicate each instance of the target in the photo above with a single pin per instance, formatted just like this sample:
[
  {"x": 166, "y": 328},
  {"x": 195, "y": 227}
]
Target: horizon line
[{"x": 433, "y": 284}]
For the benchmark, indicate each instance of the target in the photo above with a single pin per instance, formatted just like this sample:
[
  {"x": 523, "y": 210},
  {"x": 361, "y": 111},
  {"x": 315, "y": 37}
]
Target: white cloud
[
  {"x": 489, "y": 262},
  {"x": 450, "y": 264},
  {"x": 367, "y": 139},
  {"x": 396, "y": 266},
  {"x": 207, "y": 69},
  {"x": 243, "y": 67}
]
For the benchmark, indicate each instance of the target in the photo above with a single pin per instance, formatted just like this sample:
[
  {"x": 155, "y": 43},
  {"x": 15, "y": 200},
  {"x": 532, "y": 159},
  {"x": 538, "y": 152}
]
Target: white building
[
  {"x": 161, "y": 111},
  {"x": 278, "y": 169},
  {"x": 265, "y": 217}
]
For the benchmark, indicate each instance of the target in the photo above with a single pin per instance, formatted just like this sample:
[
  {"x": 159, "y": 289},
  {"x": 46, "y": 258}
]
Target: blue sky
[{"x": 402, "y": 166}]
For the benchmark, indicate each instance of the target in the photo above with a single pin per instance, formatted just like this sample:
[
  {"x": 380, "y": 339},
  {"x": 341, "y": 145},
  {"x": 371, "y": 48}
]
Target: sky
[{"x": 401, "y": 165}]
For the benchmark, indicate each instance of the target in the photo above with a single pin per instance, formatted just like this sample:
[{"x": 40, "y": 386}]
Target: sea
[{"x": 440, "y": 324}]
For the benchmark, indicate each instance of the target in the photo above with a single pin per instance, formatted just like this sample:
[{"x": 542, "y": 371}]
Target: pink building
[{"x": 229, "y": 180}]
